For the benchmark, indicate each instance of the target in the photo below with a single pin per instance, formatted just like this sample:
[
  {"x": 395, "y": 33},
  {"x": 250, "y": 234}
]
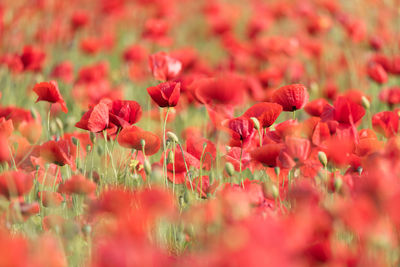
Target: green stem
[{"x": 165, "y": 148}]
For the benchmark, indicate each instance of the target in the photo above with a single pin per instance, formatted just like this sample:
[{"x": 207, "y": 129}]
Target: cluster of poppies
[{"x": 199, "y": 133}]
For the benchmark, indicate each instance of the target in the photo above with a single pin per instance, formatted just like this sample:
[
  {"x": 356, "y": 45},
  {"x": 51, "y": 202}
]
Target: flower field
[{"x": 199, "y": 133}]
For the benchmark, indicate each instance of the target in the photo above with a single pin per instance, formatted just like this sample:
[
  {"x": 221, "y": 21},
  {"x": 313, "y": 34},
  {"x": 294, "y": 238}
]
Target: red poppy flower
[
  {"x": 95, "y": 119},
  {"x": 295, "y": 152},
  {"x": 179, "y": 167},
  {"x": 291, "y": 97},
  {"x": 195, "y": 145},
  {"x": 63, "y": 71},
  {"x": 131, "y": 138},
  {"x": 15, "y": 183},
  {"x": 347, "y": 112},
  {"x": 163, "y": 67},
  {"x": 377, "y": 73},
  {"x": 57, "y": 152},
  {"x": 228, "y": 89},
  {"x": 4, "y": 149},
  {"x": 315, "y": 107},
  {"x": 386, "y": 123},
  {"x": 391, "y": 96},
  {"x": 32, "y": 58},
  {"x": 165, "y": 94},
  {"x": 265, "y": 112},
  {"x": 241, "y": 129},
  {"x": 267, "y": 154},
  {"x": 77, "y": 184},
  {"x": 124, "y": 113},
  {"x": 48, "y": 91}
]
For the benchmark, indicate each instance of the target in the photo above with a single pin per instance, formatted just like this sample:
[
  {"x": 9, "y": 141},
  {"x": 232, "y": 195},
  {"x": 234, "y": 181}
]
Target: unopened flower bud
[
  {"x": 75, "y": 140},
  {"x": 322, "y": 158},
  {"x": 256, "y": 123},
  {"x": 92, "y": 137},
  {"x": 171, "y": 136},
  {"x": 170, "y": 158},
  {"x": 365, "y": 102},
  {"x": 338, "y": 182},
  {"x": 274, "y": 191},
  {"x": 229, "y": 168},
  {"x": 59, "y": 124},
  {"x": 277, "y": 171},
  {"x": 147, "y": 167}
]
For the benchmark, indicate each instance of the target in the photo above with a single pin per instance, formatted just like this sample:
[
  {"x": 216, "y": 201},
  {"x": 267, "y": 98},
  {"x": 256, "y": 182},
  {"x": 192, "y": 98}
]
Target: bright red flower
[
  {"x": 4, "y": 149},
  {"x": 267, "y": 154},
  {"x": 265, "y": 112},
  {"x": 77, "y": 184},
  {"x": 95, "y": 119},
  {"x": 57, "y": 152},
  {"x": 386, "y": 123},
  {"x": 295, "y": 152},
  {"x": 124, "y": 113},
  {"x": 163, "y": 67},
  {"x": 48, "y": 91},
  {"x": 131, "y": 138},
  {"x": 15, "y": 183},
  {"x": 179, "y": 166},
  {"x": 346, "y": 111},
  {"x": 377, "y": 73},
  {"x": 32, "y": 58},
  {"x": 291, "y": 97},
  {"x": 315, "y": 107},
  {"x": 228, "y": 89},
  {"x": 241, "y": 129},
  {"x": 165, "y": 94},
  {"x": 63, "y": 71}
]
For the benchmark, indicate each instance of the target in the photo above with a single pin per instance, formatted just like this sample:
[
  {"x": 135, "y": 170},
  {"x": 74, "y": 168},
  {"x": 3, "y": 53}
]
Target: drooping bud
[
  {"x": 277, "y": 171},
  {"x": 170, "y": 158},
  {"x": 147, "y": 167},
  {"x": 274, "y": 191},
  {"x": 92, "y": 137},
  {"x": 256, "y": 123},
  {"x": 75, "y": 140},
  {"x": 322, "y": 158},
  {"x": 338, "y": 182},
  {"x": 171, "y": 136},
  {"x": 229, "y": 168},
  {"x": 365, "y": 102}
]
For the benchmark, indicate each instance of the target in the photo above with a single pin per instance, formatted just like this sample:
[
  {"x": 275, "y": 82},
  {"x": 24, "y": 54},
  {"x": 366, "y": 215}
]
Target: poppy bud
[
  {"x": 34, "y": 113},
  {"x": 365, "y": 102},
  {"x": 92, "y": 137},
  {"x": 147, "y": 167},
  {"x": 170, "y": 158},
  {"x": 171, "y": 136},
  {"x": 75, "y": 140},
  {"x": 229, "y": 168},
  {"x": 274, "y": 191},
  {"x": 59, "y": 124},
  {"x": 87, "y": 229},
  {"x": 359, "y": 170},
  {"x": 256, "y": 123},
  {"x": 338, "y": 184},
  {"x": 277, "y": 171},
  {"x": 322, "y": 158}
]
